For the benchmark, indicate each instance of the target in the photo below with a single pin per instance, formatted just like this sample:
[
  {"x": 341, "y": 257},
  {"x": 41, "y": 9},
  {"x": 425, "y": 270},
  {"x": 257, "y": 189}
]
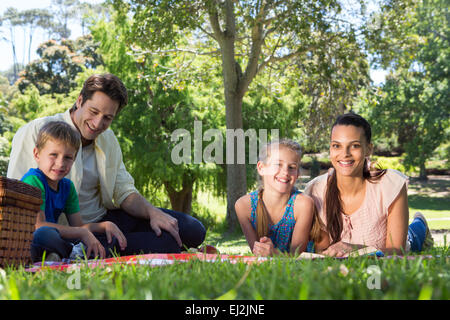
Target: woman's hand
[
  {"x": 339, "y": 249},
  {"x": 264, "y": 247}
]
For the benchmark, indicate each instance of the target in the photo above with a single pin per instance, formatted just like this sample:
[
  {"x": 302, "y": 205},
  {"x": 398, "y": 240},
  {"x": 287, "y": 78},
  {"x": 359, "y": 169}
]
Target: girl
[
  {"x": 360, "y": 206},
  {"x": 277, "y": 218}
]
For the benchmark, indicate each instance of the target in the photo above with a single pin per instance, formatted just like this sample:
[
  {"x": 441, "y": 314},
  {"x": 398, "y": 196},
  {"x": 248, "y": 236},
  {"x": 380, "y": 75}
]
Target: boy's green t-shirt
[{"x": 72, "y": 205}]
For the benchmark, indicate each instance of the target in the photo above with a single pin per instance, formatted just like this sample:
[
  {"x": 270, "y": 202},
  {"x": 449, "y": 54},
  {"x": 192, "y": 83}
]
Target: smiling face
[
  {"x": 55, "y": 160},
  {"x": 281, "y": 169},
  {"x": 348, "y": 150},
  {"x": 94, "y": 116}
]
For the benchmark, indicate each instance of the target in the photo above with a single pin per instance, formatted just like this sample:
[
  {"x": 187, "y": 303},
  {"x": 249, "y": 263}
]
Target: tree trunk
[
  {"x": 30, "y": 42},
  {"x": 423, "y": 172},
  {"x": 235, "y": 86},
  {"x": 181, "y": 201},
  {"x": 13, "y": 46},
  {"x": 236, "y": 173}
]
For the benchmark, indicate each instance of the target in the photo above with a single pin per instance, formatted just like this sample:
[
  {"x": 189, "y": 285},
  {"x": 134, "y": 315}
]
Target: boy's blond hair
[{"x": 61, "y": 131}]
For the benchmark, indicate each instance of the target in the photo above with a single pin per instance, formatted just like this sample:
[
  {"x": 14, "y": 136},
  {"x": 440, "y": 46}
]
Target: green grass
[
  {"x": 423, "y": 203},
  {"x": 281, "y": 278},
  {"x": 432, "y": 199},
  {"x": 435, "y": 209}
]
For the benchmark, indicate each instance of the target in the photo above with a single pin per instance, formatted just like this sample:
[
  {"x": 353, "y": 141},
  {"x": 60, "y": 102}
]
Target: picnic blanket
[
  {"x": 162, "y": 259},
  {"x": 151, "y": 259}
]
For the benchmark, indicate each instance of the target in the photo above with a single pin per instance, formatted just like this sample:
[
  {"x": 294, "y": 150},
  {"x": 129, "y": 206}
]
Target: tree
[
  {"x": 247, "y": 36},
  {"x": 29, "y": 20},
  {"x": 59, "y": 64},
  {"x": 10, "y": 20},
  {"x": 414, "y": 101},
  {"x": 33, "y": 19},
  {"x": 425, "y": 117},
  {"x": 64, "y": 11},
  {"x": 86, "y": 10},
  {"x": 154, "y": 111}
]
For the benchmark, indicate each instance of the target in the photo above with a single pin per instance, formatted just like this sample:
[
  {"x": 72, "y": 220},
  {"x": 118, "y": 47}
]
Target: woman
[{"x": 360, "y": 206}]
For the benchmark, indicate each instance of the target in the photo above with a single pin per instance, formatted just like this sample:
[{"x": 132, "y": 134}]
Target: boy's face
[{"x": 55, "y": 160}]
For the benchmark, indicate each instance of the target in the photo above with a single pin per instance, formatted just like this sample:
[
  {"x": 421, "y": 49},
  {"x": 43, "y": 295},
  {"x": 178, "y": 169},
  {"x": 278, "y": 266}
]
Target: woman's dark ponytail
[{"x": 333, "y": 209}]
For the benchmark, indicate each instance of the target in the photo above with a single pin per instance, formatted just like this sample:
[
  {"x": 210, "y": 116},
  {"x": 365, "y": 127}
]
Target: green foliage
[
  {"x": 154, "y": 112},
  {"x": 413, "y": 104},
  {"x": 323, "y": 60},
  {"x": 4, "y": 146},
  {"x": 395, "y": 163},
  {"x": 261, "y": 111},
  {"x": 425, "y": 117},
  {"x": 59, "y": 64},
  {"x": 31, "y": 104}
]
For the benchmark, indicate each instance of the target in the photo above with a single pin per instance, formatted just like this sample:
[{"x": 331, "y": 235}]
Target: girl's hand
[
  {"x": 264, "y": 247},
  {"x": 111, "y": 230},
  {"x": 339, "y": 249},
  {"x": 92, "y": 244}
]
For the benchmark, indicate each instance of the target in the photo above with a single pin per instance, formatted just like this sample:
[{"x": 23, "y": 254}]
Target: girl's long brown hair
[
  {"x": 333, "y": 202},
  {"x": 262, "y": 217}
]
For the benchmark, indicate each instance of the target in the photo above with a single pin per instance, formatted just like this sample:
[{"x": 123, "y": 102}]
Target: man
[{"x": 106, "y": 190}]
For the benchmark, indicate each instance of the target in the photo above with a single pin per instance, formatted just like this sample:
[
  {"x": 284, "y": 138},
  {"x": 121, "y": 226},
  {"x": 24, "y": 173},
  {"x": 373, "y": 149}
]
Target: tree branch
[
  {"x": 272, "y": 58},
  {"x": 255, "y": 52},
  {"x": 214, "y": 21},
  {"x": 209, "y": 34}
]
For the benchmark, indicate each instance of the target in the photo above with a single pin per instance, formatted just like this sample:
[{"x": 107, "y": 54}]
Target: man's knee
[
  {"x": 167, "y": 243},
  {"x": 192, "y": 233},
  {"x": 44, "y": 235}
]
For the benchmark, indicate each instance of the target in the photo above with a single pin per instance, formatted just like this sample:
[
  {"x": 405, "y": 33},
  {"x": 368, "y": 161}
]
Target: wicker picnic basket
[{"x": 19, "y": 205}]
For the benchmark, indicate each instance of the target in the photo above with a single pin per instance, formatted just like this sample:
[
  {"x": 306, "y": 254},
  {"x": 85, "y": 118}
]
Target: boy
[{"x": 55, "y": 151}]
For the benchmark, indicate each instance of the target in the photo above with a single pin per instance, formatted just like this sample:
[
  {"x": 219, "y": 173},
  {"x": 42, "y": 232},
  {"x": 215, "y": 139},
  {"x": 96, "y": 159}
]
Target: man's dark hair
[{"x": 107, "y": 83}]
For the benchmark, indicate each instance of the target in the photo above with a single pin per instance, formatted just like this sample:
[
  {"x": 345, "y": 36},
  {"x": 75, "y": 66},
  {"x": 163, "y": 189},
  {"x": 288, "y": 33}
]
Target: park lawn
[
  {"x": 435, "y": 209},
  {"x": 280, "y": 278},
  {"x": 436, "y": 220}
]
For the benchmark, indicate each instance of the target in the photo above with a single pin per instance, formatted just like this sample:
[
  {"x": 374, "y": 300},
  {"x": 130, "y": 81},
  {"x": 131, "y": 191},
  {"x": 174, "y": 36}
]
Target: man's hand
[
  {"x": 111, "y": 230},
  {"x": 137, "y": 206},
  {"x": 92, "y": 244},
  {"x": 161, "y": 220}
]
